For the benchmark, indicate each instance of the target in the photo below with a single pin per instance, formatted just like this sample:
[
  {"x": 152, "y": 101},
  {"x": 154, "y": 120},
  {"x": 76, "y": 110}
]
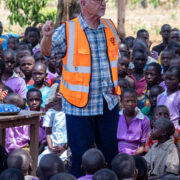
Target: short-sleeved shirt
[
  {"x": 17, "y": 84},
  {"x": 45, "y": 93},
  {"x": 101, "y": 86},
  {"x": 130, "y": 138},
  {"x": 163, "y": 158},
  {"x": 172, "y": 101},
  {"x": 57, "y": 121}
]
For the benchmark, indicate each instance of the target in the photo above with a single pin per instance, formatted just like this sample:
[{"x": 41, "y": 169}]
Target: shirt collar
[
  {"x": 166, "y": 144},
  {"x": 84, "y": 25},
  {"x": 139, "y": 115}
]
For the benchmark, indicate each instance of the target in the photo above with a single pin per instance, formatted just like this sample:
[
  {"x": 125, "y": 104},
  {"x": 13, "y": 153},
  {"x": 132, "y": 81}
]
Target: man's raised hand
[{"x": 48, "y": 29}]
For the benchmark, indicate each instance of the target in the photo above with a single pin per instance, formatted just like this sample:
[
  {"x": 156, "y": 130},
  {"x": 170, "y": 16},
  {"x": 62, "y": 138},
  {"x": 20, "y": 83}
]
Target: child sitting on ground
[
  {"x": 34, "y": 101},
  {"x": 26, "y": 66},
  {"x": 154, "y": 92},
  {"x": 92, "y": 161},
  {"x": 21, "y": 159},
  {"x": 49, "y": 165},
  {"x": 39, "y": 77},
  {"x": 55, "y": 124},
  {"x": 163, "y": 157},
  {"x": 171, "y": 97},
  {"x": 161, "y": 111},
  {"x": 124, "y": 166},
  {"x": 152, "y": 77},
  {"x": 10, "y": 78},
  {"x": 133, "y": 126}
]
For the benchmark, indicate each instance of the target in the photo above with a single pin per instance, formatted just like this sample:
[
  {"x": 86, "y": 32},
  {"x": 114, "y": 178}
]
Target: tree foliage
[{"x": 27, "y": 12}]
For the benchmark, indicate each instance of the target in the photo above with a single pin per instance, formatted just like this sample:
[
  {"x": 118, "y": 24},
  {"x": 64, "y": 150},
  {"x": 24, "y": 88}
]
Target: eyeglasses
[{"x": 100, "y": 1}]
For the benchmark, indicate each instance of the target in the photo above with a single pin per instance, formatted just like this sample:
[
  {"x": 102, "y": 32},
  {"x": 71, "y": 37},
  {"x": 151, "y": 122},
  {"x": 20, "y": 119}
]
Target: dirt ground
[{"x": 136, "y": 18}]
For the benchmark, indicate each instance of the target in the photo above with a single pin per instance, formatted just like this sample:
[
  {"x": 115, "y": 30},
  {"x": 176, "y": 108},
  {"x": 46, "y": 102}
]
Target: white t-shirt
[{"x": 57, "y": 121}]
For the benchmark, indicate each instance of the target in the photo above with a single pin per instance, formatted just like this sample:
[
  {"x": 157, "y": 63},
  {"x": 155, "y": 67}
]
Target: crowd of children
[{"x": 148, "y": 131}]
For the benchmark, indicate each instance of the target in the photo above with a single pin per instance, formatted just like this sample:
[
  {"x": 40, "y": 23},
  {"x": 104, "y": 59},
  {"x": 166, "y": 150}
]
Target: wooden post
[{"x": 121, "y": 18}]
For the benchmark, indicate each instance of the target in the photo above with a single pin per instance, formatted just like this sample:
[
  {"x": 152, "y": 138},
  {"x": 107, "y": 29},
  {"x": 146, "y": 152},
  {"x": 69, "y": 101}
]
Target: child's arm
[{"x": 49, "y": 141}]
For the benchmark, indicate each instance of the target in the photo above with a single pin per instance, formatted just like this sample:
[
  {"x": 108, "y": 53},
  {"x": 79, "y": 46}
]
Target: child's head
[
  {"x": 142, "y": 168},
  {"x": 20, "y": 159},
  {"x": 34, "y": 99},
  {"x": 63, "y": 176},
  {"x": 162, "y": 129},
  {"x": 139, "y": 58},
  {"x": 39, "y": 73},
  {"x": 129, "y": 100},
  {"x": 33, "y": 36},
  {"x": 12, "y": 43},
  {"x": 105, "y": 174},
  {"x": 9, "y": 60},
  {"x": 172, "y": 78},
  {"x": 143, "y": 34},
  {"x": 15, "y": 99},
  {"x": 161, "y": 111},
  {"x": 92, "y": 161},
  {"x": 123, "y": 48},
  {"x": 153, "y": 74},
  {"x": 154, "y": 92},
  {"x": 50, "y": 165},
  {"x": 175, "y": 62},
  {"x": 123, "y": 83},
  {"x": 39, "y": 57},
  {"x": 174, "y": 35},
  {"x": 21, "y": 54},
  {"x": 129, "y": 41},
  {"x": 12, "y": 174},
  {"x": 166, "y": 57},
  {"x": 165, "y": 31},
  {"x": 124, "y": 166},
  {"x": 26, "y": 65},
  {"x": 52, "y": 62},
  {"x": 123, "y": 64}
]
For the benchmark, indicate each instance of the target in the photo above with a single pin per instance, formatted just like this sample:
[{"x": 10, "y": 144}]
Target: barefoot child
[{"x": 133, "y": 126}]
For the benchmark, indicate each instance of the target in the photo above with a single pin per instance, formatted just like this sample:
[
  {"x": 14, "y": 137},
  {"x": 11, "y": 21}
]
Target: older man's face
[{"x": 95, "y": 7}]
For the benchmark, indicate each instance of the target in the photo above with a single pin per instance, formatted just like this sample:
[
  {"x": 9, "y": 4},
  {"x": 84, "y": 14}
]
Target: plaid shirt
[{"x": 101, "y": 86}]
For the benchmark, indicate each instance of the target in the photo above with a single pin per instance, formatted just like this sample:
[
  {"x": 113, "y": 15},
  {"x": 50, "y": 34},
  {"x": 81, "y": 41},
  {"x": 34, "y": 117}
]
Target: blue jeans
[{"x": 84, "y": 131}]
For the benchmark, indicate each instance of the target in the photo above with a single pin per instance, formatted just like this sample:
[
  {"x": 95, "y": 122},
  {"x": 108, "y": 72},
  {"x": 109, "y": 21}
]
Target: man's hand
[{"x": 48, "y": 29}]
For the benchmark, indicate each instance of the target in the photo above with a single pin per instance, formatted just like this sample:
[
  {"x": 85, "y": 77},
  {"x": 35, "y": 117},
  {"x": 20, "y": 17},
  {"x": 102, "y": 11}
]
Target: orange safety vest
[{"x": 76, "y": 73}]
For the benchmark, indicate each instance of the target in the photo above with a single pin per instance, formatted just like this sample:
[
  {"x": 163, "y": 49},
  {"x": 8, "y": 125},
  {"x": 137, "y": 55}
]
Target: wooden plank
[
  {"x": 34, "y": 143},
  {"x": 21, "y": 115}
]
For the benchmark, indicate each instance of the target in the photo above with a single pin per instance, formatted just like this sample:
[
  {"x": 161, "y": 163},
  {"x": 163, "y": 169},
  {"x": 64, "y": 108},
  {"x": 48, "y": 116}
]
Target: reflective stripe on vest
[{"x": 70, "y": 67}]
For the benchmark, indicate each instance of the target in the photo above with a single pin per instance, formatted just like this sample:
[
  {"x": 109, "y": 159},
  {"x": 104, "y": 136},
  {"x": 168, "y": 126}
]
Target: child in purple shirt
[
  {"x": 171, "y": 97},
  {"x": 92, "y": 161},
  {"x": 10, "y": 78},
  {"x": 133, "y": 126}
]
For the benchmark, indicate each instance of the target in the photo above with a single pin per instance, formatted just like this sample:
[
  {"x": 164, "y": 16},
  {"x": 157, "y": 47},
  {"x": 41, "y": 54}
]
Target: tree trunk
[
  {"x": 66, "y": 10},
  {"x": 121, "y": 18}
]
